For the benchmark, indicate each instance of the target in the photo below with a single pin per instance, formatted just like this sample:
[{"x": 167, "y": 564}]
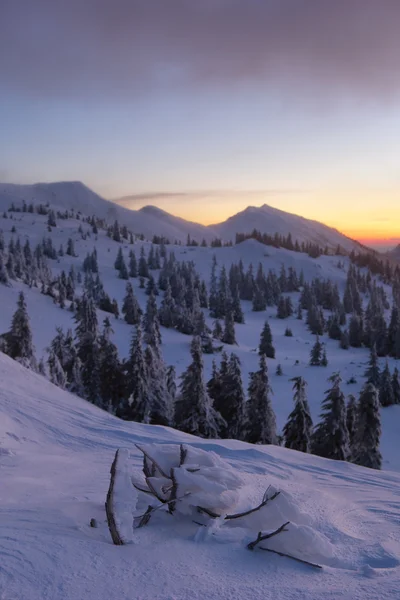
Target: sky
[{"x": 206, "y": 107}]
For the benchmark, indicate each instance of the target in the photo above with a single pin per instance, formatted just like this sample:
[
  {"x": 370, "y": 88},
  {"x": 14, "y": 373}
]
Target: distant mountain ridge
[{"x": 151, "y": 220}]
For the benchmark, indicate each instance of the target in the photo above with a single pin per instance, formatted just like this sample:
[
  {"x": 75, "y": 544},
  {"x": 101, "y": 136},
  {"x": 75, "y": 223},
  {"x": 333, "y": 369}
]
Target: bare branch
[
  {"x": 146, "y": 517},
  {"x": 252, "y": 510},
  {"x": 267, "y": 536},
  {"x": 300, "y": 560},
  {"x": 208, "y": 512},
  {"x": 152, "y": 460}
]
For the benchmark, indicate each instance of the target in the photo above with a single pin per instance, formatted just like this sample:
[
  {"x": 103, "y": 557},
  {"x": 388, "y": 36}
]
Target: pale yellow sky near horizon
[{"x": 368, "y": 215}]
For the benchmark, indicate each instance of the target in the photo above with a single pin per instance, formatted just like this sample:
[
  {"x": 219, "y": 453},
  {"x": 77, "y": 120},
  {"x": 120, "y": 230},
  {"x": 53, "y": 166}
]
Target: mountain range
[{"x": 151, "y": 220}]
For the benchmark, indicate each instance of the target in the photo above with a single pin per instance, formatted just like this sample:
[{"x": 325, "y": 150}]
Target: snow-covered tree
[
  {"x": 396, "y": 386},
  {"x": 86, "y": 333},
  {"x": 316, "y": 353},
  {"x": 266, "y": 347},
  {"x": 331, "y": 437},
  {"x": 158, "y": 399},
  {"x": 151, "y": 325},
  {"x": 368, "y": 429},
  {"x": 229, "y": 336},
  {"x": 260, "y": 426},
  {"x": 351, "y": 420},
  {"x": 298, "y": 429},
  {"x": 372, "y": 372},
  {"x": 135, "y": 407},
  {"x": 130, "y": 307},
  {"x": 230, "y": 402},
  {"x": 19, "y": 342},
  {"x": 111, "y": 384},
  {"x": 193, "y": 409},
  {"x": 386, "y": 394},
  {"x": 56, "y": 372}
]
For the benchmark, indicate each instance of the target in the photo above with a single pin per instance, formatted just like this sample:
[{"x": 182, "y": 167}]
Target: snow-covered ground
[
  {"x": 56, "y": 451},
  {"x": 55, "y": 455}
]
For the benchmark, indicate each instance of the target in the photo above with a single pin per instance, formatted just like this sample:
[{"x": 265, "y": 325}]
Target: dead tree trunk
[{"x": 112, "y": 526}]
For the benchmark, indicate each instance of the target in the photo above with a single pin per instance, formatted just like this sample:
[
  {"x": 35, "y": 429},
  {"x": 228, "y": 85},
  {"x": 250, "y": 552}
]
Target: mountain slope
[
  {"x": 272, "y": 220},
  {"x": 55, "y": 455},
  {"x": 74, "y": 195}
]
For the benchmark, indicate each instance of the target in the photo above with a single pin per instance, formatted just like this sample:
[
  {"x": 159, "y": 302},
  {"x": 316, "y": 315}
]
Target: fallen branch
[
  {"x": 253, "y": 510},
  {"x": 300, "y": 560},
  {"x": 267, "y": 536},
  {"x": 150, "y": 509}
]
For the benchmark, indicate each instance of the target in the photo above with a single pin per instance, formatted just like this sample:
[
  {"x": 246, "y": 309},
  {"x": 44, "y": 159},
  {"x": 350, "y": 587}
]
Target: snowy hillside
[
  {"x": 291, "y": 352},
  {"x": 272, "y": 220},
  {"x": 55, "y": 455},
  {"x": 73, "y": 195}
]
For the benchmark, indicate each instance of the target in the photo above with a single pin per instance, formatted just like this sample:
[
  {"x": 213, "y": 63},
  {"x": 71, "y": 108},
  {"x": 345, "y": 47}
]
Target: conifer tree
[
  {"x": 217, "y": 331},
  {"x": 368, "y": 430},
  {"x": 316, "y": 354},
  {"x": 119, "y": 260},
  {"x": 151, "y": 325},
  {"x": 135, "y": 407},
  {"x": 167, "y": 312},
  {"x": 19, "y": 343},
  {"x": 372, "y": 372},
  {"x": 324, "y": 359},
  {"x": 266, "y": 347},
  {"x": 260, "y": 425},
  {"x": 130, "y": 307},
  {"x": 279, "y": 371},
  {"x": 193, "y": 409},
  {"x": 133, "y": 269},
  {"x": 259, "y": 301},
  {"x": 386, "y": 394},
  {"x": 351, "y": 420},
  {"x": 143, "y": 269},
  {"x": 86, "y": 333},
  {"x": 158, "y": 399},
  {"x": 238, "y": 315},
  {"x": 56, "y": 372},
  {"x": 123, "y": 271},
  {"x": 111, "y": 384},
  {"x": 229, "y": 336},
  {"x": 396, "y": 386},
  {"x": 214, "y": 384},
  {"x": 171, "y": 384},
  {"x": 331, "y": 438},
  {"x": 230, "y": 402},
  {"x": 298, "y": 429},
  {"x": 344, "y": 340}
]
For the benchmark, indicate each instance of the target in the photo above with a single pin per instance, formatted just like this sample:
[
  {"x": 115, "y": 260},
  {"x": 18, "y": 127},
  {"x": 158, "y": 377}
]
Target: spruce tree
[
  {"x": 279, "y": 371},
  {"x": 331, "y": 437},
  {"x": 111, "y": 384},
  {"x": 86, "y": 333},
  {"x": 133, "y": 269},
  {"x": 229, "y": 336},
  {"x": 56, "y": 372},
  {"x": 368, "y": 429},
  {"x": 135, "y": 406},
  {"x": 130, "y": 307},
  {"x": 143, "y": 269},
  {"x": 372, "y": 372},
  {"x": 217, "y": 331},
  {"x": 167, "y": 312},
  {"x": 386, "y": 395},
  {"x": 316, "y": 354},
  {"x": 193, "y": 409},
  {"x": 158, "y": 399},
  {"x": 396, "y": 386},
  {"x": 298, "y": 429},
  {"x": 266, "y": 346},
  {"x": 351, "y": 420},
  {"x": 19, "y": 342},
  {"x": 230, "y": 402},
  {"x": 151, "y": 325},
  {"x": 260, "y": 425},
  {"x": 259, "y": 301}
]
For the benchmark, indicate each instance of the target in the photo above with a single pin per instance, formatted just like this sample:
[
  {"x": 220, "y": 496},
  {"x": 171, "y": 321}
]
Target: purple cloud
[{"x": 125, "y": 47}]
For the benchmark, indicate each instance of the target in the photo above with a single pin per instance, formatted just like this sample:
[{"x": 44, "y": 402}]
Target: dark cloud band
[{"x": 126, "y": 47}]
